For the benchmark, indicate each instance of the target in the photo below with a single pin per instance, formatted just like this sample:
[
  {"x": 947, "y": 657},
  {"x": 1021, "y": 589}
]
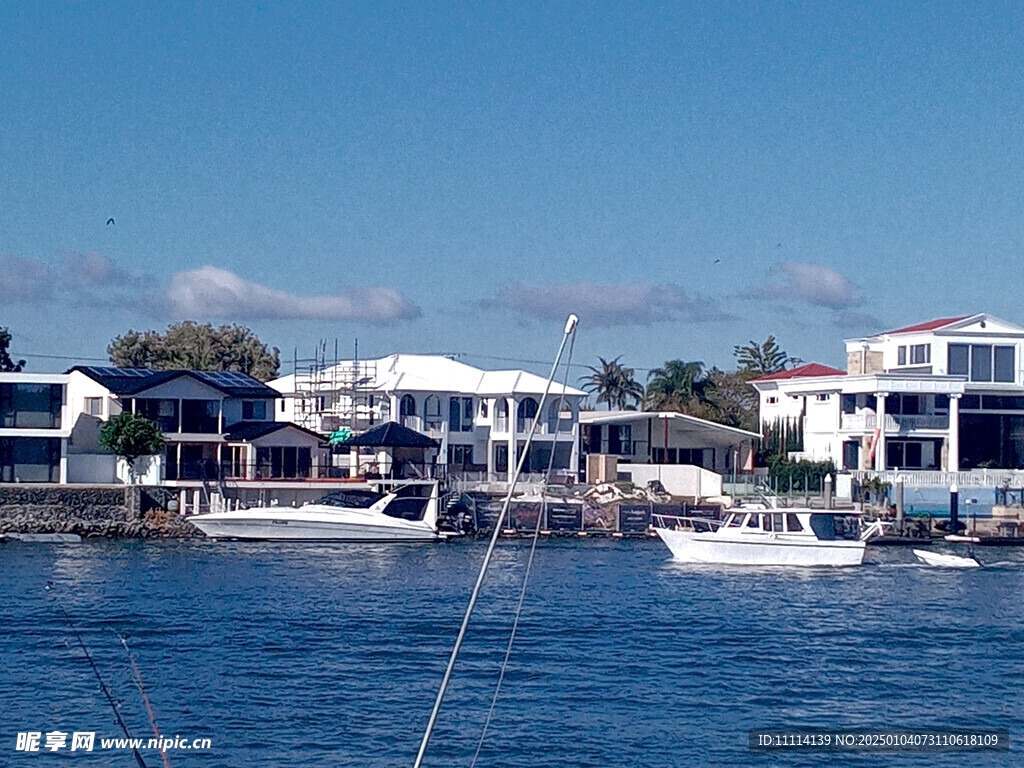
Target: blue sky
[{"x": 457, "y": 177}]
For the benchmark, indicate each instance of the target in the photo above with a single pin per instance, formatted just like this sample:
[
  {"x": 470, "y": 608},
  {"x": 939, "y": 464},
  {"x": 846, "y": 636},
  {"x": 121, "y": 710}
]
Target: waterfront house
[
  {"x": 34, "y": 427},
  {"x": 946, "y": 394},
  {"x": 217, "y": 425},
  {"x": 480, "y": 418},
  {"x": 688, "y": 455}
]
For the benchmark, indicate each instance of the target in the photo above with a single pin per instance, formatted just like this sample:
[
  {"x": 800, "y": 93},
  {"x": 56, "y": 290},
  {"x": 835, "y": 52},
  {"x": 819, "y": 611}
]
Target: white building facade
[
  {"x": 947, "y": 394},
  {"x": 35, "y": 424},
  {"x": 480, "y": 418}
]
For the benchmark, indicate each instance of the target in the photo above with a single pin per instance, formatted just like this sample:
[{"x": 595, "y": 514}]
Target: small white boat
[
  {"x": 792, "y": 536},
  {"x": 945, "y": 561},
  {"x": 339, "y": 516}
]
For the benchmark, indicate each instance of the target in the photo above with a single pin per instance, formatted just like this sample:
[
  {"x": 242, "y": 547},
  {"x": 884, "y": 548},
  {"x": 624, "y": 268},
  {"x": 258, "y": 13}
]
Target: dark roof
[
  {"x": 392, "y": 435},
  {"x": 131, "y": 381},
  {"x": 930, "y": 325},
  {"x": 253, "y": 430},
  {"x": 803, "y": 371}
]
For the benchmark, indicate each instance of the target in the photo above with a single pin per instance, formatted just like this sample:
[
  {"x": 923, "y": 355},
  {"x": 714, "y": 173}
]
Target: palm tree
[
  {"x": 762, "y": 359},
  {"x": 677, "y": 386},
  {"x": 614, "y": 384}
]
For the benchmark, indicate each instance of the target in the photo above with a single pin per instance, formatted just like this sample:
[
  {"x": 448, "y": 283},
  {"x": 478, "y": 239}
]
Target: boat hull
[
  {"x": 711, "y": 547},
  {"x": 297, "y": 528}
]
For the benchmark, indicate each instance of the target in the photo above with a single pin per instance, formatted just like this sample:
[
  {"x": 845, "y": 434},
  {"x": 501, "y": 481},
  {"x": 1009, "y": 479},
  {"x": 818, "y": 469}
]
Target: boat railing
[{"x": 678, "y": 523}]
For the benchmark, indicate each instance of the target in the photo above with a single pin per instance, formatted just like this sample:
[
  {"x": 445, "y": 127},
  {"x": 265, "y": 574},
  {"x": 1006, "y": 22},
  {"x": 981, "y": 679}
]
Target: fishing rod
[
  {"x": 99, "y": 678},
  {"x": 145, "y": 696},
  {"x": 570, "y": 328}
]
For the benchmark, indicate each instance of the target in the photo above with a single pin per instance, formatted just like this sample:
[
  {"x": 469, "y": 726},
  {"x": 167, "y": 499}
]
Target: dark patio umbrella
[{"x": 392, "y": 435}]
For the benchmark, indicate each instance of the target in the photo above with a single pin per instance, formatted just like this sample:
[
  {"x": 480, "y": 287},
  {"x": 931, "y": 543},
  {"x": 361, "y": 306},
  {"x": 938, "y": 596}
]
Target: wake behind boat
[
  {"x": 792, "y": 536},
  {"x": 340, "y": 516}
]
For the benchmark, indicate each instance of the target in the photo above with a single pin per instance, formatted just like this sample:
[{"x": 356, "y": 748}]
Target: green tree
[
  {"x": 733, "y": 401},
  {"x": 131, "y": 437},
  {"x": 198, "y": 347},
  {"x": 7, "y": 365},
  {"x": 764, "y": 358},
  {"x": 678, "y": 386},
  {"x": 614, "y": 384}
]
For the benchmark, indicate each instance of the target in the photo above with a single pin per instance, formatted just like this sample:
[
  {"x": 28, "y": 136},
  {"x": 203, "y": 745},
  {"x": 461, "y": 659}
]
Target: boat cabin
[{"x": 820, "y": 525}]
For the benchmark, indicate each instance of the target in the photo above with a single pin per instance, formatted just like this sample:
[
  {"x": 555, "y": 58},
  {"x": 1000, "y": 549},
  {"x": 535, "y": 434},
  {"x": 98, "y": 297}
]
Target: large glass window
[
  {"x": 200, "y": 416},
  {"x": 163, "y": 412},
  {"x": 432, "y": 413},
  {"x": 959, "y": 355},
  {"x": 407, "y": 411},
  {"x": 283, "y": 462},
  {"x": 30, "y": 460},
  {"x": 460, "y": 414},
  {"x": 920, "y": 354},
  {"x": 981, "y": 362},
  {"x": 525, "y": 413},
  {"x": 1005, "y": 364},
  {"x": 30, "y": 406}
]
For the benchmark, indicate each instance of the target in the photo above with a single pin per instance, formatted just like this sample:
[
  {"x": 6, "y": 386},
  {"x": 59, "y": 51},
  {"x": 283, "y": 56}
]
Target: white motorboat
[
  {"x": 792, "y": 536},
  {"x": 945, "y": 561},
  {"x": 339, "y": 516}
]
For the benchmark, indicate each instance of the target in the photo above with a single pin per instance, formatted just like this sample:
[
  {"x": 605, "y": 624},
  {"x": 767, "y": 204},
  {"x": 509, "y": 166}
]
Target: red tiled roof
[
  {"x": 803, "y": 371},
  {"x": 931, "y": 325}
]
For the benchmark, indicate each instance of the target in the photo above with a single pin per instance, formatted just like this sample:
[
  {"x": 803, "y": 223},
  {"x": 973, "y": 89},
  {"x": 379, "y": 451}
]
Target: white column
[
  {"x": 954, "y": 434},
  {"x": 574, "y": 428},
  {"x": 512, "y": 424},
  {"x": 880, "y": 445}
]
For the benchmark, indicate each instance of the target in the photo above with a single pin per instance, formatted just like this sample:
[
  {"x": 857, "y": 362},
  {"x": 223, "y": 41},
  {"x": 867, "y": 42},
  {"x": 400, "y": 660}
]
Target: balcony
[{"x": 868, "y": 422}]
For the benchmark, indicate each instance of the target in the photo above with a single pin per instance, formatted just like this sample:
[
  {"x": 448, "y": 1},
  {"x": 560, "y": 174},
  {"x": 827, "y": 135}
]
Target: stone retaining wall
[{"x": 88, "y": 511}]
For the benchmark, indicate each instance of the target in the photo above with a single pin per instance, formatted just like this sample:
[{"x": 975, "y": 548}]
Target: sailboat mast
[{"x": 570, "y": 328}]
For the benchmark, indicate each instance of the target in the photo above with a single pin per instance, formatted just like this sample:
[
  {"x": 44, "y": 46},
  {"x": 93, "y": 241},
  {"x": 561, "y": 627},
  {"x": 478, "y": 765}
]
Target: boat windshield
[{"x": 351, "y": 499}]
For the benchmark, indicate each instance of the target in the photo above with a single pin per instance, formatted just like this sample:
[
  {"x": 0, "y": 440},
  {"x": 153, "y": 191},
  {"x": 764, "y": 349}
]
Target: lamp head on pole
[
  {"x": 570, "y": 324},
  {"x": 954, "y": 488}
]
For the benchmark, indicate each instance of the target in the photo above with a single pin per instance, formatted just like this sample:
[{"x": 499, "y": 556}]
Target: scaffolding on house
[{"x": 333, "y": 394}]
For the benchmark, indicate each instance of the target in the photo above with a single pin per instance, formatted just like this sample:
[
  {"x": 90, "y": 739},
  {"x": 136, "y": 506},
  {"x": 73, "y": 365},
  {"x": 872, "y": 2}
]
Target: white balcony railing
[{"x": 868, "y": 422}]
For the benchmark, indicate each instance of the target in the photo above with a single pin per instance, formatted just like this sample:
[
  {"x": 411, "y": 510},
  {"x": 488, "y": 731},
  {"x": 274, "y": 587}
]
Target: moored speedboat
[
  {"x": 339, "y": 516},
  {"x": 792, "y": 536},
  {"x": 943, "y": 560}
]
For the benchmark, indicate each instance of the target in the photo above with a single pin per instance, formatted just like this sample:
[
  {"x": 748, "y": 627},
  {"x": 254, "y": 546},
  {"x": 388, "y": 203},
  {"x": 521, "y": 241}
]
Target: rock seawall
[{"x": 89, "y": 511}]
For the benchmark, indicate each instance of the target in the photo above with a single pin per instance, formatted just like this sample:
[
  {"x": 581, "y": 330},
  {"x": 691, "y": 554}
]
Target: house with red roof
[{"x": 943, "y": 394}]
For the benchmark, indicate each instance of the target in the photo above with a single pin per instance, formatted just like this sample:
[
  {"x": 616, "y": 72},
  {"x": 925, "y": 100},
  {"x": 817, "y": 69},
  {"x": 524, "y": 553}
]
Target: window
[
  {"x": 283, "y": 462},
  {"x": 1004, "y": 364},
  {"x": 407, "y": 411},
  {"x": 777, "y": 521},
  {"x": 981, "y": 362},
  {"x": 501, "y": 416},
  {"x": 460, "y": 456},
  {"x": 920, "y": 354},
  {"x": 793, "y": 523},
  {"x": 901, "y": 356},
  {"x": 959, "y": 359},
  {"x": 525, "y": 414},
  {"x": 483, "y": 409},
  {"x": 94, "y": 406},
  {"x": 460, "y": 414},
  {"x": 821, "y": 398},
  {"x": 751, "y": 521},
  {"x": 30, "y": 406},
  {"x": 849, "y": 403},
  {"x": 200, "y": 416},
  {"x": 432, "y": 413},
  {"x": 766, "y": 523},
  {"x": 254, "y": 410},
  {"x": 771, "y": 400},
  {"x": 280, "y": 406}
]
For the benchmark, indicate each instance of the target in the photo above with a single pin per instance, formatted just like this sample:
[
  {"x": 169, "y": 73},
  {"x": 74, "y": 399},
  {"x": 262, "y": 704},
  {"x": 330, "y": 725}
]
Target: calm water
[{"x": 297, "y": 655}]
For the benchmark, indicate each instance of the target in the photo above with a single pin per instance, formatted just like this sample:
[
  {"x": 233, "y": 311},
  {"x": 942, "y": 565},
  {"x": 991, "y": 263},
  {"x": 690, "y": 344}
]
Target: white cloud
[
  {"x": 211, "y": 292},
  {"x": 24, "y": 279},
  {"x": 814, "y": 284},
  {"x": 605, "y": 305}
]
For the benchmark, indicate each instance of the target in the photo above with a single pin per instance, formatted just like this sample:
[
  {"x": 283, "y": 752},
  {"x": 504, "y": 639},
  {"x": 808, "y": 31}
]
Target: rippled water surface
[{"x": 299, "y": 655}]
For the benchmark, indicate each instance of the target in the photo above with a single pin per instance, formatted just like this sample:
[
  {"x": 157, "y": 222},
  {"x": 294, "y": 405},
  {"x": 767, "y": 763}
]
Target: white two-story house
[
  {"x": 34, "y": 427},
  {"x": 481, "y": 418},
  {"x": 944, "y": 394}
]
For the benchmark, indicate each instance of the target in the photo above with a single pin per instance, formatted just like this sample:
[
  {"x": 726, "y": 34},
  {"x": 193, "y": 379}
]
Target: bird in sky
[
  {"x": 110, "y": 221},
  {"x": 718, "y": 261}
]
